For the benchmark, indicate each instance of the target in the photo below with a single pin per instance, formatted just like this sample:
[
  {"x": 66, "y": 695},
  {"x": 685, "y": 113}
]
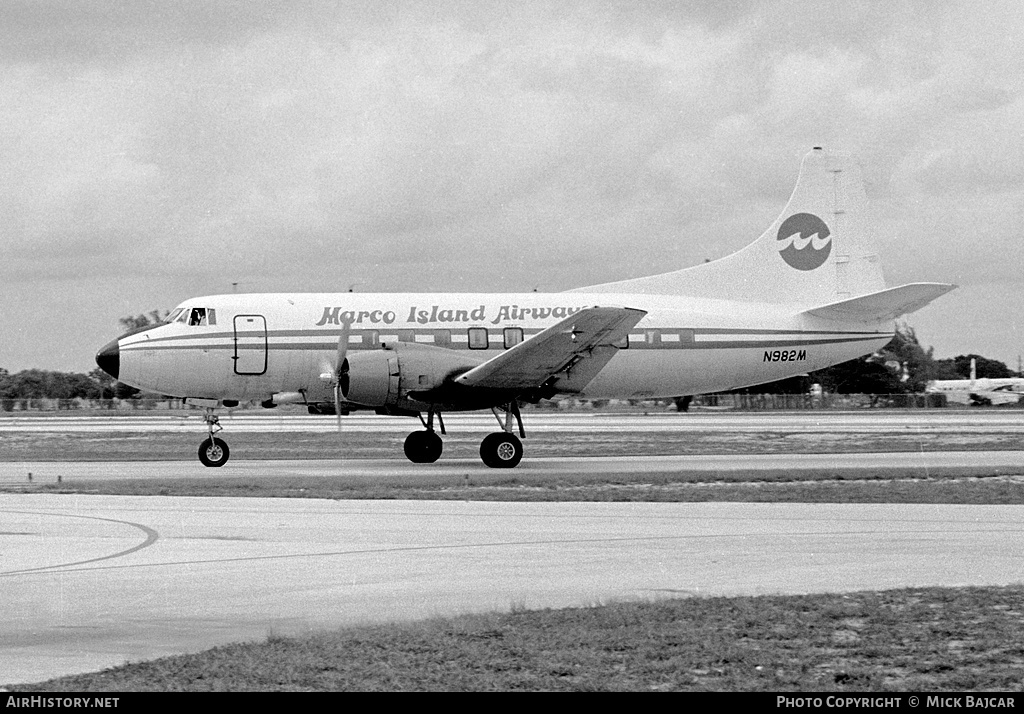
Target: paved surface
[
  {"x": 868, "y": 421},
  {"x": 89, "y": 582},
  {"x": 910, "y": 464}
]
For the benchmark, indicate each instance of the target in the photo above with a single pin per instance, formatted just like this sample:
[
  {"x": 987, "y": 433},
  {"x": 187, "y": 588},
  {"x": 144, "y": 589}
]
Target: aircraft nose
[{"x": 109, "y": 358}]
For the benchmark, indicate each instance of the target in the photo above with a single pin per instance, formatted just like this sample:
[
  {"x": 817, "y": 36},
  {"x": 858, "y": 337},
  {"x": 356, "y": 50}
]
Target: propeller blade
[
  {"x": 339, "y": 366},
  {"x": 346, "y": 327},
  {"x": 337, "y": 403},
  {"x": 336, "y": 372}
]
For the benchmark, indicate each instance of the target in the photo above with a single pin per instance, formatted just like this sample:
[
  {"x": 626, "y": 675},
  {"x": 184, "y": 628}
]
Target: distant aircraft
[
  {"x": 807, "y": 294},
  {"x": 974, "y": 391}
]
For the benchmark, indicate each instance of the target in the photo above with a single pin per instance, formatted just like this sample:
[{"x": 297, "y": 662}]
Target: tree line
[
  {"x": 903, "y": 366},
  {"x": 31, "y": 384}
]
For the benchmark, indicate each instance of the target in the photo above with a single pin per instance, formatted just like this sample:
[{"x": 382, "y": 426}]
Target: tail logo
[{"x": 805, "y": 242}]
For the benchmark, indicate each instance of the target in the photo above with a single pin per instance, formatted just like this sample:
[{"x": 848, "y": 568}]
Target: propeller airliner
[{"x": 807, "y": 294}]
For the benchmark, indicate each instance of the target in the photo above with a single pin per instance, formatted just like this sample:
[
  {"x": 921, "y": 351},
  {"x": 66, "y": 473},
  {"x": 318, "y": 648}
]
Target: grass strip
[
  {"x": 919, "y": 639},
  {"x": 800, "y": 487},
  {"x": 164, "y": 446}
]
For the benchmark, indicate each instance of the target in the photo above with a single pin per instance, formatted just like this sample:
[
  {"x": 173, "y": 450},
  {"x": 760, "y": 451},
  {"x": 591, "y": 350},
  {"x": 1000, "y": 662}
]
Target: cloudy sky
[{"x": 155, "y": 150}]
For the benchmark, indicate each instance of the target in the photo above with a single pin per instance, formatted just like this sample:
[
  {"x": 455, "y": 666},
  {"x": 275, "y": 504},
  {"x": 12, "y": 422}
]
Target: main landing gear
[
  {"x": 503, "y": 449},
  {"x": 212, "y": 451},
  {"x": 500, "y": 450},
  {"x": 424, "y": 447}
]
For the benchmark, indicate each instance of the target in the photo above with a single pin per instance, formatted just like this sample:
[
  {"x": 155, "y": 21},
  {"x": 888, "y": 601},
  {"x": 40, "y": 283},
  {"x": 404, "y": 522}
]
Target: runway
[
  {"x": 92, "y": 581},
  {"x": 866, "y": 421},
  {"x": 908, "y": 464}
]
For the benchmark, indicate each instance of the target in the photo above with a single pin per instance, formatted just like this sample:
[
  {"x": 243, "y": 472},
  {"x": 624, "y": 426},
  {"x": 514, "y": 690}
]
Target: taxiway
[
  {"x": 93, "y": 581},
  {"x": 921, "y": 421},
  {"x": 907, "y": 464}
]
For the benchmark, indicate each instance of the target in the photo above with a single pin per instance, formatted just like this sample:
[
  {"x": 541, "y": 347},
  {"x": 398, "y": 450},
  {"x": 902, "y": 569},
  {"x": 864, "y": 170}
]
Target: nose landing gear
[{"x": 213, "y": 452}]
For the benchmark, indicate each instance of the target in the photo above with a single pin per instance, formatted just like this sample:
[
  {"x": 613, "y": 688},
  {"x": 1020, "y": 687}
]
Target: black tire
[
  {"x": 501, "y": 450},
  {"x": 213, "y": 454},
  {"x": 423, "y": 447}
]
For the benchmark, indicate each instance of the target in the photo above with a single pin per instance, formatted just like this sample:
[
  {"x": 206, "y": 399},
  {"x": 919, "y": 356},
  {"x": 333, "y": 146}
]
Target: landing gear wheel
[
  {"x": 501, "y": 450},
  {"x": 423, "y": 447},
  {"x": 213, "y": 452}
]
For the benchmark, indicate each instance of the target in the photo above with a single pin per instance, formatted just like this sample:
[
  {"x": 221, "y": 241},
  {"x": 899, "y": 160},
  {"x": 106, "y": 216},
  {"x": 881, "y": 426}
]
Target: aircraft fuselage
[{"x": 261, "y": 345}]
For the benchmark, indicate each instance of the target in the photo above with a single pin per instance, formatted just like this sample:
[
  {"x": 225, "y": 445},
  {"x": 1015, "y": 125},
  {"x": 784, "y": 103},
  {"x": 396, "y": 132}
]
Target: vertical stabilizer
[{"x": 818, "y": 251}]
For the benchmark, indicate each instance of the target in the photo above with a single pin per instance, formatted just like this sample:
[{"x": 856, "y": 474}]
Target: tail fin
[{"x": 817, "y": 252}]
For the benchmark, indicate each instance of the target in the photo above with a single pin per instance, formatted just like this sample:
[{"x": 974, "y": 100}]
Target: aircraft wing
[{"x": 565, "y": 356}]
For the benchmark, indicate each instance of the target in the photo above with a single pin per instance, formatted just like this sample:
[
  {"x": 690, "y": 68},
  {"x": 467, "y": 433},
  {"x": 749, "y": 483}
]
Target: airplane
[
  {"x": 807, "y": 294},
  {"x": 975, "y": 392}
]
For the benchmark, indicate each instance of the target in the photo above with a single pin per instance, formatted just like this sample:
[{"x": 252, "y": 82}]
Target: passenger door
[{"x": 250, "y": 344}]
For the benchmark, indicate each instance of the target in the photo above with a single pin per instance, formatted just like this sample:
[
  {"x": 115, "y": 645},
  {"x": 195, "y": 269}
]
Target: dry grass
[
  {"x": 163, "y": 446},
  {"x": 918, "y": 640},
  {"x": 806, "y": 487}
]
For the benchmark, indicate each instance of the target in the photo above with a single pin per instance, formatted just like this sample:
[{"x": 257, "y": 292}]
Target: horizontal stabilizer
[{"x": 885, "y": 304}]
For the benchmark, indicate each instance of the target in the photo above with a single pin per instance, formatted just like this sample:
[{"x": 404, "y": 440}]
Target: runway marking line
[
  {"x": 152, "y": 537},
  {"x": 459, "y": 546}
]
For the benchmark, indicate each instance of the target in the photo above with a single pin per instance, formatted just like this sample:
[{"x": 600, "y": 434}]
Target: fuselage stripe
[
  {"x": 697, "y": 332},
  {"x": 154, "y": 346}
]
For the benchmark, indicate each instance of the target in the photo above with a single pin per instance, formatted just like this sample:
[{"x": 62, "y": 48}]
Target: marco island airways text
[{"x": 437, "y": 313}]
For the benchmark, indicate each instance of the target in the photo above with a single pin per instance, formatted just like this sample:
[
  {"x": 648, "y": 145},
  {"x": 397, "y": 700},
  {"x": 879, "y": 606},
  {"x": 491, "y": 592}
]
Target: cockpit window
[
  {"x": 201, "y": 316},
  {"x": 177, "y": 314}
]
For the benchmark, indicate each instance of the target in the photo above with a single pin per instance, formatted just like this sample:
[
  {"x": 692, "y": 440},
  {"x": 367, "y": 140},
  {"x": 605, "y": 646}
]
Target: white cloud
[{"x": 471, "y": 147}]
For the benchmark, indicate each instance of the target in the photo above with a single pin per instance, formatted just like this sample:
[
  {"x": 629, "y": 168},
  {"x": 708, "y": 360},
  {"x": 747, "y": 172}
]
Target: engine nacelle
[
  {"x": 386, "y": 377},
  {"x": 367, "y": 378}
]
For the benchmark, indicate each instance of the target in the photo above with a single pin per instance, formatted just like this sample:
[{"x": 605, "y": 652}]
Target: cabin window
[
  {"x": 622, "y": 344},
  {"x": 478, "y": 338},
  {"x": 513, "y": 336}
]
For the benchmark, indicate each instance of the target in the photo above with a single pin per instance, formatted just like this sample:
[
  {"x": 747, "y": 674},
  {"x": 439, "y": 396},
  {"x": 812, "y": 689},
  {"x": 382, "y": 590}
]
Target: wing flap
[
  {"x": 885, "y": 304},
  {"x": 573, "y": 351}
]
